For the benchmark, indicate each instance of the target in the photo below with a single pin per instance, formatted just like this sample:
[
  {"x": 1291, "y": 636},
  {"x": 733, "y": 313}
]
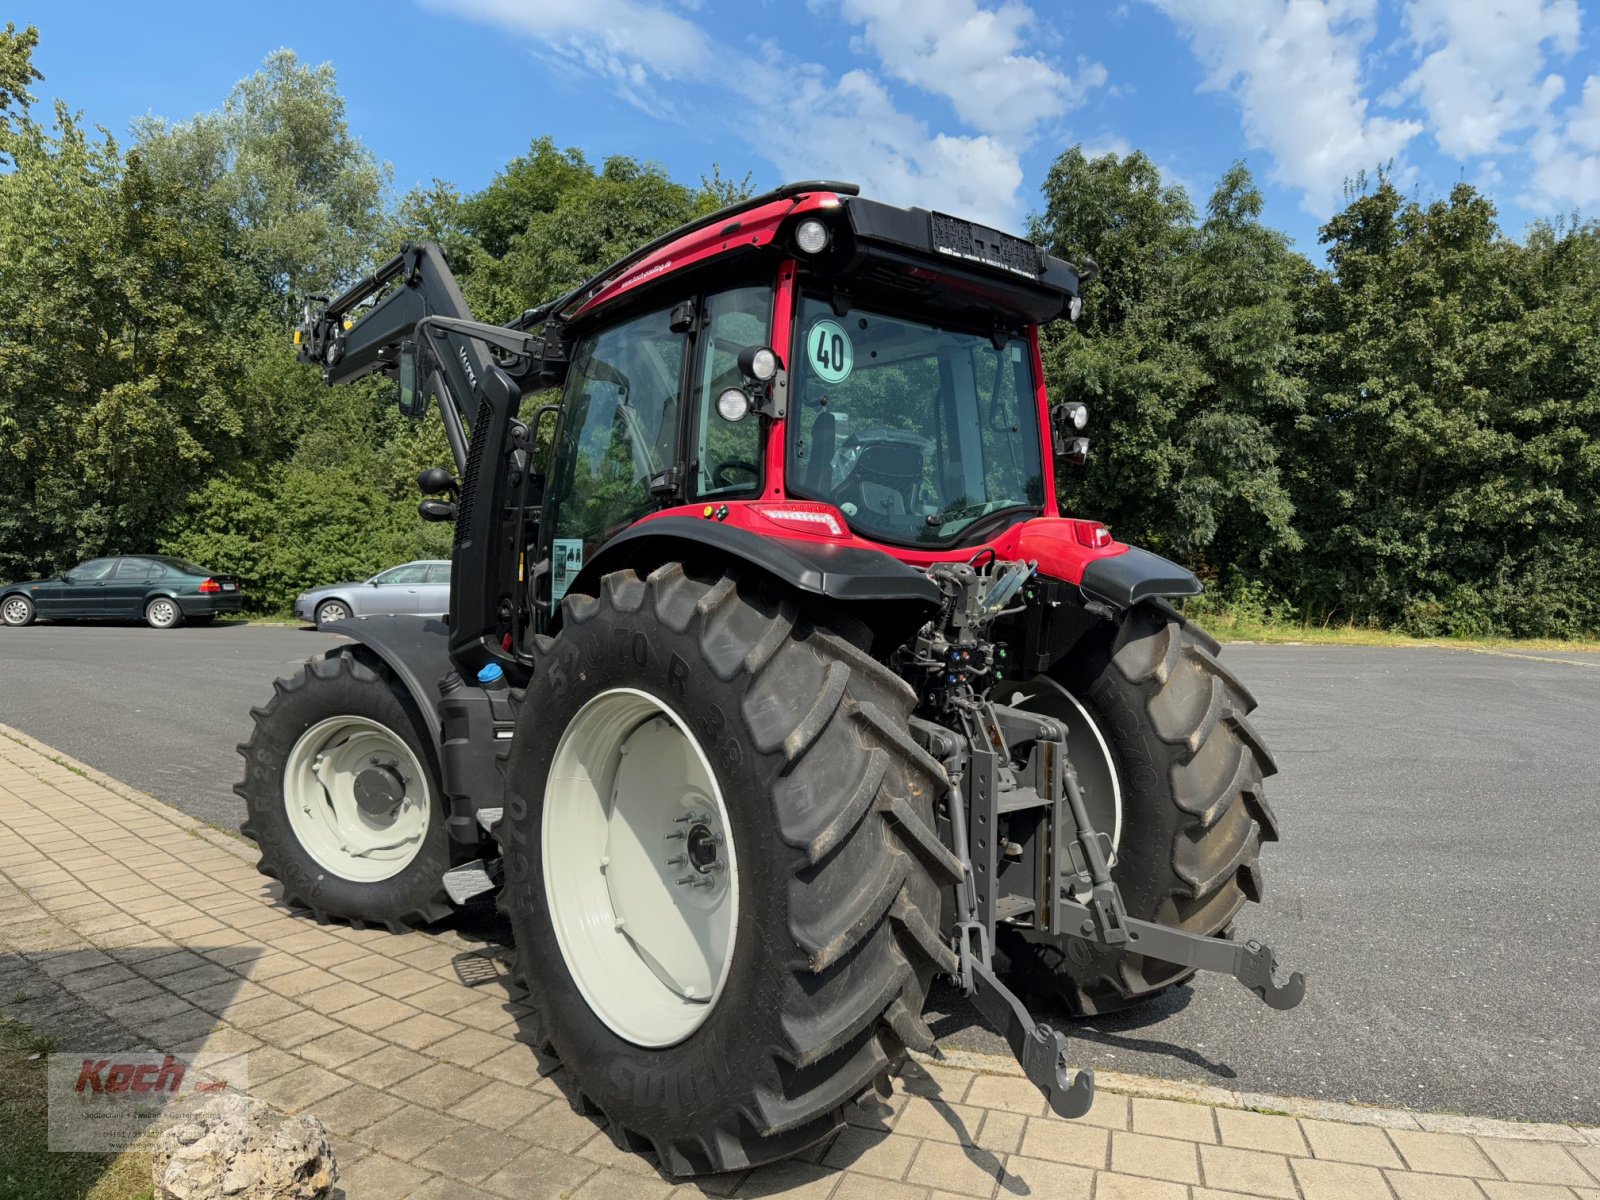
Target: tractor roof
[{"x": 931, "y": 252}]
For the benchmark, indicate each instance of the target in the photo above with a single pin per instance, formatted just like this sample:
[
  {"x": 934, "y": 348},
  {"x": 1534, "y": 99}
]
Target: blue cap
[{"x": 490, "y": 674}]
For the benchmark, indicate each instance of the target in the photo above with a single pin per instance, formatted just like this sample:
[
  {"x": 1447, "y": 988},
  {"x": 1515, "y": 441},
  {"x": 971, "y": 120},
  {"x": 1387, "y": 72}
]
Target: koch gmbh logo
[{"x": 101, "y": 1101}]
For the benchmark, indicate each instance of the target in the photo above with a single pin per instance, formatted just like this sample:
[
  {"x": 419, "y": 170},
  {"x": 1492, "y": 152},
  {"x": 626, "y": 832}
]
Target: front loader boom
[{"x": 468, "y": 367}]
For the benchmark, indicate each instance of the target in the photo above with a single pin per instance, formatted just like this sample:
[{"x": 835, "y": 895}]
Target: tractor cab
[{"x": 816, "y": 366}]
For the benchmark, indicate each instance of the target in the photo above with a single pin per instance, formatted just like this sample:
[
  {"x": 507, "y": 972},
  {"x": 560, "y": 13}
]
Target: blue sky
[{"x": 952, "y": 104}]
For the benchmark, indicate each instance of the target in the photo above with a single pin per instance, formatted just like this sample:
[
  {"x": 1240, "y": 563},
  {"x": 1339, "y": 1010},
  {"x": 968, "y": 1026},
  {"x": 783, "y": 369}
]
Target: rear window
[
  {"x": 140, "y": 568},
  {"x": 184, "y": 565}
]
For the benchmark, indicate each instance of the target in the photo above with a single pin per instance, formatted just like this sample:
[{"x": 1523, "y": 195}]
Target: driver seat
[{"x": 824, "y": 439}]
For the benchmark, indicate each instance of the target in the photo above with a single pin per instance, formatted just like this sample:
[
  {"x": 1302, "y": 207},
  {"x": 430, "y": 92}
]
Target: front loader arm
[
  {"x": 418, "y": 301},
  {"x": 349, "y": 344}
]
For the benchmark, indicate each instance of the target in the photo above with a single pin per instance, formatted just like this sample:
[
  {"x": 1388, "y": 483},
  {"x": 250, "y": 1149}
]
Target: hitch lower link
[{"x": 982, "y": 787}]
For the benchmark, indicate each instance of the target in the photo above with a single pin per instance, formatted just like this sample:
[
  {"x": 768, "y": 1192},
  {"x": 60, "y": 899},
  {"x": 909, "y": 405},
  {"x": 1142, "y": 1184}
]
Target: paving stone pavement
[{"x": 118, "y": 913}]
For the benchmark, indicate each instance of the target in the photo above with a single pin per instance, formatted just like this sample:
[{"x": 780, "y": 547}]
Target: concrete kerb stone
[{"x": 1295, "y": 1106}]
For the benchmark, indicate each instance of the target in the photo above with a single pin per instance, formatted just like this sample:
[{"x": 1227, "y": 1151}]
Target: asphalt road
[
  {"x": 159, "y": 709},
  {"x": 1438, "y": 881}
]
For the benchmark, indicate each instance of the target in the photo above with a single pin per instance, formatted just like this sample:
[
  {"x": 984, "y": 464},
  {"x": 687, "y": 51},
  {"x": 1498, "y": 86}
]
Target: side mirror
[
  {"x": 410, "y": 398},
  {"x": 436, "y": 481},
  {"x": 1065, "y": 422}
]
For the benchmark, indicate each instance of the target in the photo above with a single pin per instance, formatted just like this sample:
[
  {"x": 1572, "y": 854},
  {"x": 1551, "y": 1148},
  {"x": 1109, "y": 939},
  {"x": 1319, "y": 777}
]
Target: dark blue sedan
[{"x": 163, "y": 592}]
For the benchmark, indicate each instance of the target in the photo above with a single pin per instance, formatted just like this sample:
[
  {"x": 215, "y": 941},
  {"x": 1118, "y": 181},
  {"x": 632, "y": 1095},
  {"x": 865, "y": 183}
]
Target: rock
[{"x": 243, "y": 1149}]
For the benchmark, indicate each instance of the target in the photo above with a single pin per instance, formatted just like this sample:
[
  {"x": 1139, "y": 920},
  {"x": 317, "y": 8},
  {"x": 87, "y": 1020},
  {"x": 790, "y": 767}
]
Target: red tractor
[{"x": 781, "y": 687}]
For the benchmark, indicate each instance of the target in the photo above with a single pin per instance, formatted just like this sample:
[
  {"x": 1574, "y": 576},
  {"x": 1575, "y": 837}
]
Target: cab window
[
  {"x": 727, "y": 454},
  {"x": 619, "y": 431}
]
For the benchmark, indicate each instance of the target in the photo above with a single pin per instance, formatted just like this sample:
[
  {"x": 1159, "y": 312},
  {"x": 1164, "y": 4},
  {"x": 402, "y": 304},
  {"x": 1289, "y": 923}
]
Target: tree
[
  {"x": 307, "y": 198},
  {"x": 1182, "y": 355},
  {"x": 1446, "y": 466},
  {"x": 16, "y": 71}
]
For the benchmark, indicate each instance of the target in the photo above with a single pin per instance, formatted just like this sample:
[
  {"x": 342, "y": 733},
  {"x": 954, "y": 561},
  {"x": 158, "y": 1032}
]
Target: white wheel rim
[
  {"x": 643, "y": 896},
  {"x": 161, "y": 612},
  {"x": 330, "y": 613},
  {"x": 1086, "y": 747},
  {"x": 16, "y": 611},
  {"x": 362, "y": 830}
]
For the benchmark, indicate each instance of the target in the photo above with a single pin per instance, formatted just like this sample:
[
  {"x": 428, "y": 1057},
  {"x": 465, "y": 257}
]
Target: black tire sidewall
[
  {"x": 584, "y": 663},
  {"x": 1150, "y": 817},
  {"x": 1072, "y": 969},
  {"x": 304, "y": 879}
]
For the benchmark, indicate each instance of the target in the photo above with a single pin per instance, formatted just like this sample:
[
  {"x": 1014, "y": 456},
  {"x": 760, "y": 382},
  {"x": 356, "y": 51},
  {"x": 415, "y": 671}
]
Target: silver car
[{"x": 413, "y": 587}]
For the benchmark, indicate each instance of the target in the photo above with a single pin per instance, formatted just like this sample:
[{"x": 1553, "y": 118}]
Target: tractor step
[{"x": 471, "y": 879}]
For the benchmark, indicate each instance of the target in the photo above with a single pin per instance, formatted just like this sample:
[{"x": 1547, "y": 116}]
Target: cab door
[{"x": 617, "y": 442}]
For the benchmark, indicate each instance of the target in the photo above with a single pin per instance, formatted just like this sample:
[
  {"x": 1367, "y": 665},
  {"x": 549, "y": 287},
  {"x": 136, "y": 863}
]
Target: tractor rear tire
[
  {"x": 839, "y": 874},
  {"x": 1193, "y": 813},
  {"x": 338, "y": 708}
]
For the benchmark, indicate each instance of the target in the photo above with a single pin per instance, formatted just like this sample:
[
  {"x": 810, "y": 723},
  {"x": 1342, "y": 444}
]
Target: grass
[
  {"x": 1231, "y": 625},
  {"x": 28, "y": 1171}
]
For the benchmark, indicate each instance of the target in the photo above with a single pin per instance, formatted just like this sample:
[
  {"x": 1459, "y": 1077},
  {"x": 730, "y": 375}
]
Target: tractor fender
[
  {"x": 1122, "y": 580},
  {"x": 416, "y": 650},
  {"x": 870, "y": 585}
]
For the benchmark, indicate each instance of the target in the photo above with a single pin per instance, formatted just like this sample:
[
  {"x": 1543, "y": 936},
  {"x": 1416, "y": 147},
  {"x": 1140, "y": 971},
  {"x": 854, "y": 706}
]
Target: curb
[
  {"x": 1153, "y": 1088},
  {"x": 1116, "y": 1082}
]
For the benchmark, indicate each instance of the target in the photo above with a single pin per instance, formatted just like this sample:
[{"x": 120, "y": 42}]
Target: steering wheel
[{"x": 733, "y": 464}]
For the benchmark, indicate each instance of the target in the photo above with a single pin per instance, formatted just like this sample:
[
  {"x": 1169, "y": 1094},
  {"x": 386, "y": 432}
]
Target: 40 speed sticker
[{"x": 832, "y": 356}]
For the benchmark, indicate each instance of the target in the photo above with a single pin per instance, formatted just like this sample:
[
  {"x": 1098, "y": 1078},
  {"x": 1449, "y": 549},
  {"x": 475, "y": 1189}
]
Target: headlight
[
  {"x": 811, "y": 236},
  {"x": 733, "y": 405},
  {"x": 758, "y": 362},
  {"x": 1079, "y": 413}
]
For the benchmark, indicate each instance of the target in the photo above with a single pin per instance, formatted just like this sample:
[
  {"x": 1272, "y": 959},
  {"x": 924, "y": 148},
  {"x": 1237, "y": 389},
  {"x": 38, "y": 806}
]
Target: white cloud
[
  {"x": 1294, "y": 68},
  {"x": 973, "y": 57},
  {"x": 1482, "y": 74},
  {"x": 809, "y": 123},
  {"x": 1566, "y": 155},
  {"x": 632, "y": 43},
  {"x": 813, "y": 127},
  {"x": 633, "y": 38}
]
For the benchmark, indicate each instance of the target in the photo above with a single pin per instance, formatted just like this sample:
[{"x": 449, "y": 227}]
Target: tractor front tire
[
  {"x": 342, "y": 798},
  {"x": 835, "y": 872},
  {"x": 1193, "y": 815}
]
